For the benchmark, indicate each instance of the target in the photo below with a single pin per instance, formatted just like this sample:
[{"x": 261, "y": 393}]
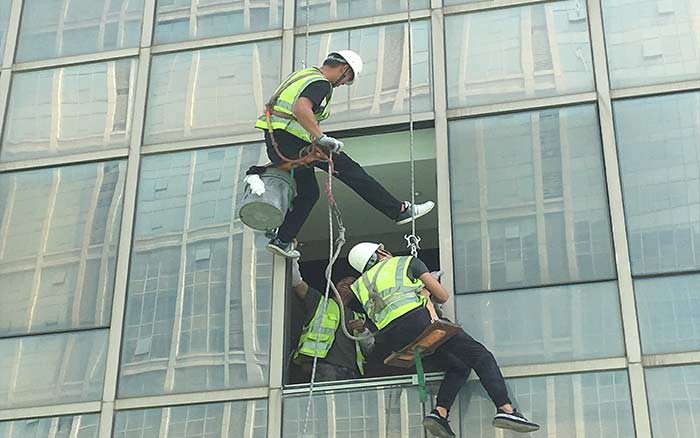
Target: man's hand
[
  {"x": 296, "y": 274},
  {"x": 356, "y": 324},
  {"x": 330, "y": 143},
  {"x": 437, "y": 274}
]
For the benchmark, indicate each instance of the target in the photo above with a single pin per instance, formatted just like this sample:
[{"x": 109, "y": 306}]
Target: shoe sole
[
  {"x": 503, "y": 423},
  {"x": 277, "y": 250},
  {"x": 408, "y": 219},
  {"x": 435, "y": 429}
]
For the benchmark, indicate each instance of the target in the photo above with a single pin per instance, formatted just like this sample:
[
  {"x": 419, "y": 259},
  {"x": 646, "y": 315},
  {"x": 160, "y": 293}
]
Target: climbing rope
[{"x": 412, "y": 240}]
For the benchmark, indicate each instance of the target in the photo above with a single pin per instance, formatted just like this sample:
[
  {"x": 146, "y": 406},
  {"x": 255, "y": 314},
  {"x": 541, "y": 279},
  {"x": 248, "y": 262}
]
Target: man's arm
[
  {"x": 303, "y": 111},
  {"x": 299, "y": 286},
  {"x": 437, "y": 291}
]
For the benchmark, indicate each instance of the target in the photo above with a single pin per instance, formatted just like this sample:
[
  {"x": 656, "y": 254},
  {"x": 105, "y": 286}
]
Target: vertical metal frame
[
  {"x": 12, "y": 34},
  {"x": 617, "y": 217}
]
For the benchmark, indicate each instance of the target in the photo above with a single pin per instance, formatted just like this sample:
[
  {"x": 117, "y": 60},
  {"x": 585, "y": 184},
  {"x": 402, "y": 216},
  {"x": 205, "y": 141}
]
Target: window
[
  {"x": 210, "y": 92},
  {"x": 196, "y": 274},
  {"x": 529, "y": 204},
  {"x": 518, "y": 53},
  {"x": 82, "y": 108},
  {"x": 382, "y": 88},
  {"x": 79, "y": 426},
  {"x": 334, "y": 10},
  {"x": 672, "y": 395},
  {"x": 59, "y": 230},
  {"x": 55, "y": 28}
]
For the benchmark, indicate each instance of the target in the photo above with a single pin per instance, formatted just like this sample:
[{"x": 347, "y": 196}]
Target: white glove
[
  {"x": 256, "y": 184},
  {"x": 296, "y": 274},
  {"x": 437, "y": 274},
  {"x": 330, "y": 143}
]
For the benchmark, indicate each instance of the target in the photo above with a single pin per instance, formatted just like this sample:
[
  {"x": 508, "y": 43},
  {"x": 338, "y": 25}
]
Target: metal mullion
[
  {"x": 206, "y": 43},
  {"x": 655, "y": 90},
  {"x": 81, "y": 158},
  {"x": 88, "y": 58},
  {"x": 12, "y": 34},
  {"x": 522, "y": 105},
  {"x": 191, "y": 398},
  {"x": 671, "y": 359},
  {"x": 53, "y": 410},
  {"x": 488, "y": 5},
  {"x": 354, "y": 23}
]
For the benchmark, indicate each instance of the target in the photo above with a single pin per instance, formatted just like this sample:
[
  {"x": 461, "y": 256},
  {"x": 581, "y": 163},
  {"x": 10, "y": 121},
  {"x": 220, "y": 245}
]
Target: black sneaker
[
  {"x": 285, "y": 249},
  {"x": 437, "y": 425},
  {"x": 271, "y": 234},
  {"x": 515, "y": 421},
  {"x": 418, "y": 211}
]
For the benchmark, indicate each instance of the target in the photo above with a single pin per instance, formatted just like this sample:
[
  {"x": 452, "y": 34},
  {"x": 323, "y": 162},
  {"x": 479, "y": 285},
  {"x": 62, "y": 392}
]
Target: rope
[{"x": 412, "y": 240}]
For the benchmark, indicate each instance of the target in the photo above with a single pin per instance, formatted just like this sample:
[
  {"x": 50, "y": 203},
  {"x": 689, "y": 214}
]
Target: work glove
[
  {"x": 437, "y": 274},
  {"x": 329, "y": 143},
  {"x": 256, "y": 184},
  {"x": 296, "y": 274}
]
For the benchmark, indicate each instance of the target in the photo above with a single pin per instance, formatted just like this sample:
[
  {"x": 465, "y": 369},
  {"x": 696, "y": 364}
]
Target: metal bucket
[{"x": 266, "y": 212}]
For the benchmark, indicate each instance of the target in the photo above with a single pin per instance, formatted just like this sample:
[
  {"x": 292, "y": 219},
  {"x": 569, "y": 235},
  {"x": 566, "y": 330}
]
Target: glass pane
[
  {"x": 363, "y": 412},
  {"x": 49, "y": 369},
  {"x": 563, "y": 323},
  {"x": 513, "y": 54},
  {"x": 238, "y": 419},
  {"x": 5, "y": 9},
  {"x": 591, "y": 405},
  {"x": 210, "y": 92},
  {"x": 59, "y": 230},
  {"x": 673, "y": 397},
  {"x": 82, "y": 108},
  {"x": 529, "y": 204},
  {"x": 180, "y": 20},
  {"x": 200, "y": 284},
  {"x": 79, "y": 426},
  {"x": 651, "y": 41},
  {"x": 669, "y": 313},
  {"x": 333, "y": 10},
  {"x": 382, "y": 88},
  {"x": 55, "y": 28},
  {"x": 658, "y": 142}
]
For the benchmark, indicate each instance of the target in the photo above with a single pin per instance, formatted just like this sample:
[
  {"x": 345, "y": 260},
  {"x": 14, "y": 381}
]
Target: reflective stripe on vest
[
  {"x": 286, "y": 96},
  {"x": 386, "y": 292},
  {"x": 308, "y": 344}
]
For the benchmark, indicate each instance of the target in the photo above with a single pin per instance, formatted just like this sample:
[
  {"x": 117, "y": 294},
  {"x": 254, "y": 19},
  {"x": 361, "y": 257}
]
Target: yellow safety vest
[
  {"x": 283, "y": 100},
  {"x": 318, "y": 343},
  {"x": 386, "y": 292}
]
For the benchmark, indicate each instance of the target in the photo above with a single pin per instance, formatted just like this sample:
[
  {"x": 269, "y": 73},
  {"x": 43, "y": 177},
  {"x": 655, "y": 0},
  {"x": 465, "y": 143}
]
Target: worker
[
  {"x": 389, "y": 290},
  {"x": 299, "y": 104},
  {"x": 339, "y": 358}
]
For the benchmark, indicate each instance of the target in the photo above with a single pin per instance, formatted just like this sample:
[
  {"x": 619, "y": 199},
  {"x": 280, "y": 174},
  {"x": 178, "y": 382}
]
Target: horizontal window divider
[
  {"x": 655, "y": 90},
  {"x": 54, "y": 332},
  {"x": 204, "y": 143},
  {"x": 352, "y": 23},
  {"x": 541, "y": 286},
  {"x": 669, "y": 359},
  {"x": 205, "y": 43},
  {"x": 573, "y": 367},
  {"x": 216, "y": 396},
  {"x": 665, "y": 274},
  {"x": 80, "y": 158},
  {"x": 523, "y": 105},
  {"x": 488, "y": 5},
  {"x": 88, "y": 58},
  {"x": 378, "y": 122},
  {"x": 373, "y": 383},
  {"x": 54, "y": 410}
]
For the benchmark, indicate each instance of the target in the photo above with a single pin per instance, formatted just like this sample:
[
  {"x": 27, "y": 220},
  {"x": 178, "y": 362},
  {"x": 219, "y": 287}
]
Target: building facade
[{"x": 560, "y": 139}]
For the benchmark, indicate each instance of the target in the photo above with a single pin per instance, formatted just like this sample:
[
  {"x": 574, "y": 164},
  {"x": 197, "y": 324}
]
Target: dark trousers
[
  {"x": 347, "y": 170},
  {"x": 456, "y": 357}
]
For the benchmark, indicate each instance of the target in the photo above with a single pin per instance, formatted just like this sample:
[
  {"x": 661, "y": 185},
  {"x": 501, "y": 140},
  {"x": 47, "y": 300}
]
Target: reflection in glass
[
  {"x": 5, "y": 9},
  {"x": 669, "y": 313},
  {"x": 49, "y": 369},
  {"x": 651, "y": 41},
  {"x": 80, "y": 108},
  {"x": 59, "y": 230},
  {"x": 363, "y": 412},
  {"x": 529, "y": 204},
  {"x": 333, "y": 10},
  {"x": 512, "y": 54},
  {"x": 210, "y": 92},
  {"x": 199, "y": 292},
  {"x": 563, "y": 323},
  {"x": 55, "y": 28},
  {"x": 673, "y": 398},
  {"x": 79, "y": 426},
  {"x": 591, "y": 405},
  {"x": 658, "y": 142},
  {"x": 180, "y": 20},
  {"x": 238, "y": 419},
  {"x": 382, "y": 88}
]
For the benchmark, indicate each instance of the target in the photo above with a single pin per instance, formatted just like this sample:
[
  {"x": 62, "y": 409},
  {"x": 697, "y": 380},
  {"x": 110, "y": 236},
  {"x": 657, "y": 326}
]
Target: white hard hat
[
  {"x": 353, "y": 60},
  {"x": 361, "y": 253}
]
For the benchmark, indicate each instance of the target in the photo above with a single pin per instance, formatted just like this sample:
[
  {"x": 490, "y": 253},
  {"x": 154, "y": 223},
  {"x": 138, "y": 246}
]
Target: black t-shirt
[
  {"x": 416, "y": 268},
  {"x": 342, "y": 351},
  {"x": 316, "y": 92}
]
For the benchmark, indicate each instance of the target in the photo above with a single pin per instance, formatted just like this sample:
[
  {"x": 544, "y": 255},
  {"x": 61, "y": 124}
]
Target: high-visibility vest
[
  {"x": 282, "y": 103},
  {"x": 318, "y": 343},
  {"x": 386, "y": 292}
]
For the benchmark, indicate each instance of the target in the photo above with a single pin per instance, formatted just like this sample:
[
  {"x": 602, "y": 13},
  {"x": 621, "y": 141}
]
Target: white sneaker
[{"x": 417, "y": 209}]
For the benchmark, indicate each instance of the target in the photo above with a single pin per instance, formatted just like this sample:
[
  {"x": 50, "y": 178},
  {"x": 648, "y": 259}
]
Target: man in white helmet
[
  {"x": 293, "y": 114},
  {"x": 391, "y": 292}
]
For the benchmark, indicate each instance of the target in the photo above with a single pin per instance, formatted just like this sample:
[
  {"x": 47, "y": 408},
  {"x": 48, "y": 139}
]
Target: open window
[{"x": 386, "y": 157}]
